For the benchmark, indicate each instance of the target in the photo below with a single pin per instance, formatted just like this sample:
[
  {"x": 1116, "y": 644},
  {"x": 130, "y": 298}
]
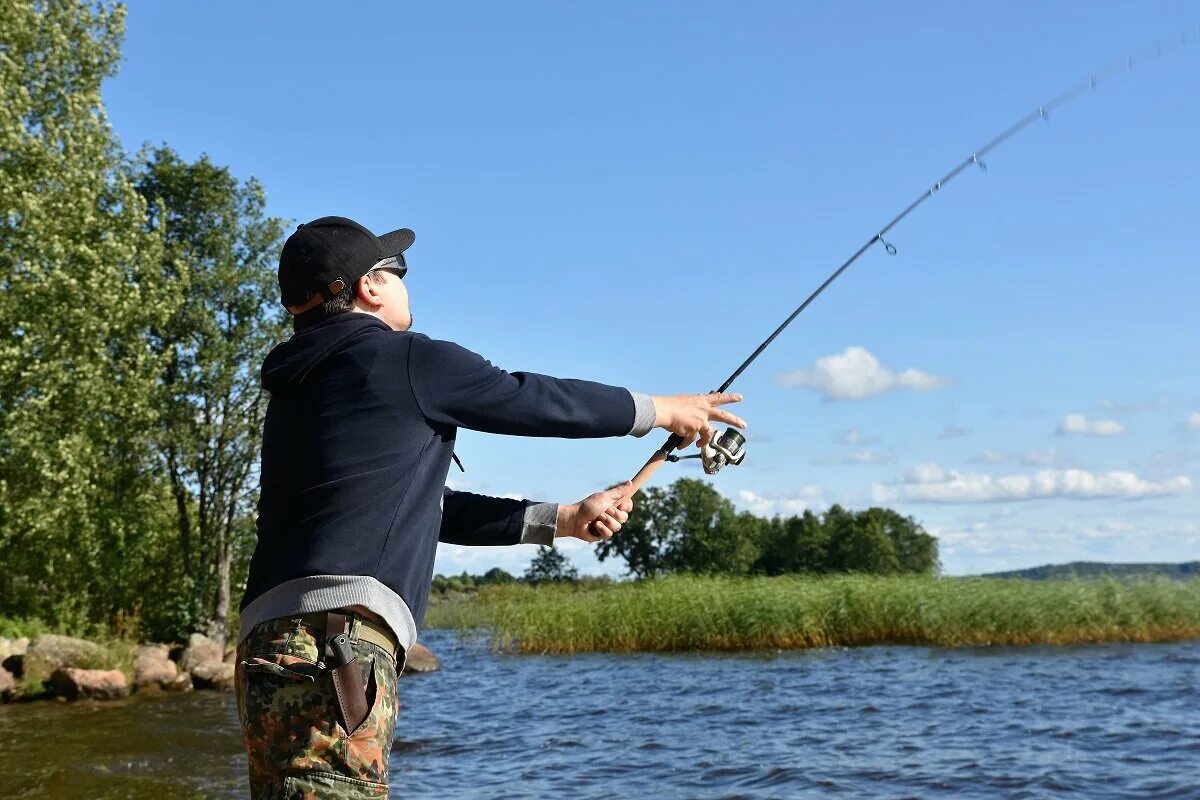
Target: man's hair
[{"x": 340, "y": 303}]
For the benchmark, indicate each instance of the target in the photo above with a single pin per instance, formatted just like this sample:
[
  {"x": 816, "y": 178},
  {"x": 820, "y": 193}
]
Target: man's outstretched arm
[{"x": 474, "y": 519}]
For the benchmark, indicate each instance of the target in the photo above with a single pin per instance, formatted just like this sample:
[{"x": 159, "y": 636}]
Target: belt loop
[{"x": 355, "y": 627}]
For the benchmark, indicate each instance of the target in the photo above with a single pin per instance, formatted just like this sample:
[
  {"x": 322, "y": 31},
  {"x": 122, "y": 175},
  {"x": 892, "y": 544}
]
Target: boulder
[
  {"x": 13, "y": 647},
  {"x": 182, "y": 683},
  {"x": 421, "y": 660},
  {"x": 14, "y": 664},
  {"x": 7, "y": 683},
  {"x": 153, "y": 667},
  {"x": 51, "y": 652},
  {"x": 200, "y": 650},
  {"x": 213, "y": 675},
  {"x": 89, "y": 684}
]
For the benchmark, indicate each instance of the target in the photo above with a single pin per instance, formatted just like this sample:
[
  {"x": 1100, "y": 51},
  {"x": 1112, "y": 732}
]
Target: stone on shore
[
  {"x": 89, "y": 684},
  {"x": 13, "y": 647},
  {"x": 213, "y": 675},
  {"x": 420, "y": 659},
  {"x": 200, "y": 650},
  {"x": 51, "y": 652},
  {"x": 7, "y": 684},
  {"x": 153, "y": 667}
]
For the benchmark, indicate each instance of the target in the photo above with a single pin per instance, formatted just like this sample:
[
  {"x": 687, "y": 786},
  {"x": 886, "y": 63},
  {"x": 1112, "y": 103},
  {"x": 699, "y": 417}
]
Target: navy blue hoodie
[{"x": 357, "y": 443}]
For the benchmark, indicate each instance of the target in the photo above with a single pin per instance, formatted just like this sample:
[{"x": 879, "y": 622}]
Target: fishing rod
[{"x": 729, "y": 447}]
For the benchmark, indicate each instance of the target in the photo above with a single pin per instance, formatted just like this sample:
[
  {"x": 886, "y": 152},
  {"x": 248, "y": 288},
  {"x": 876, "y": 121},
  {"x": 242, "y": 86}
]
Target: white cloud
[
  {"x": 855, "y": 374},
  {"x": 769, "y": 505},
  {"x": 929, "y": 483},
  {"x": 988, "y": 457},
  {"x": 1078, "y": 423},
  {"x": 1193, "y": 421}
]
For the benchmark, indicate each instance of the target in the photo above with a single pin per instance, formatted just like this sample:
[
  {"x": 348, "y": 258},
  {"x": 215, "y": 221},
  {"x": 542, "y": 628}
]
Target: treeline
[
  {"x": 139, "y": 299},
  {"x": 690, "y": 527}
]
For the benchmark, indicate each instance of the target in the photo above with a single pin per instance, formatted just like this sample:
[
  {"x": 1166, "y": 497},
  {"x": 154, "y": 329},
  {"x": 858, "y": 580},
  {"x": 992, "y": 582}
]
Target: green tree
[
  {"x": 706, "y": 535},
  {"x": 81, "y": 506},
  {"x": 642, "y": 540},
  {"x": 858, "y": 543},
  {"x": 689, "y": 527},
  {"x": 221, "y": 246},
  {"x": 550, "y": 566},
  {"x": 794, "y": 545},
  {"x": 916, "y": 550}
]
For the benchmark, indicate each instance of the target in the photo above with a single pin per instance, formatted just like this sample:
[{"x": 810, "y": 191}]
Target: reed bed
[{"x": 699, "y": 613}]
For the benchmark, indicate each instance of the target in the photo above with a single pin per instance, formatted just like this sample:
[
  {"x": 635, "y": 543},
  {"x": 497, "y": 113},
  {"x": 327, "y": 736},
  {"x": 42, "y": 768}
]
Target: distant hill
[{"x": 1099, "y": 569}]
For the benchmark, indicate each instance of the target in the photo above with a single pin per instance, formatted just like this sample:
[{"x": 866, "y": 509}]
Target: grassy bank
[{"x": 692, "y": 613}]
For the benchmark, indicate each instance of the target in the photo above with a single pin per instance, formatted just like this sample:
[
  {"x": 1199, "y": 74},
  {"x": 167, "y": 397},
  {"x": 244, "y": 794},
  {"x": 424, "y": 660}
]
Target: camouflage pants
[{"x": 297, "y": 746}]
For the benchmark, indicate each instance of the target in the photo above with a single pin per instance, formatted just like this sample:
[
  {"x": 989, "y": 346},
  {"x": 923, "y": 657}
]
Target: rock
[
  {"x": 182, "y": 683},
  {"x": 153, "y": 667},
  {"x": 14, "y": 664},
  {"x": 421, "y": 660},
  {"x": 12, "y": 654},
  {"x": 200, "y": 650},
  {"x": 7, "y": 683},
  {"x": 51, "y": 652},
  {"x": 13, "y": 647},
  {"x": 89, "y": 684},
  {"x": 213, "y": 675}
]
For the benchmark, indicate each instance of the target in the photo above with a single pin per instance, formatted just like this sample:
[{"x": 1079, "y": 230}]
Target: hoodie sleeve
[
  {"x": 455, "y": 386},
  {"x": 475, "y": 519}
]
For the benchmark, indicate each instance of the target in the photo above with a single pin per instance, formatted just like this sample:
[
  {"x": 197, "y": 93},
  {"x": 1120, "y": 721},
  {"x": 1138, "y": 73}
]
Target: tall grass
[{"x": 695, "y": 613}]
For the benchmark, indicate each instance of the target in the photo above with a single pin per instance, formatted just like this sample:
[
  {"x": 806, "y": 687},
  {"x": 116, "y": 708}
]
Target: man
[{"x": 357, "y": 443}]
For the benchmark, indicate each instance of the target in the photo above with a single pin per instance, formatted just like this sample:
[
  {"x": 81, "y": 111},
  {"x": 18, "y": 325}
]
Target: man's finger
[
  {"x": 721, "y": 399},
  {"x": 620, "y": 490},
  {"x": 725, "y": 416}
]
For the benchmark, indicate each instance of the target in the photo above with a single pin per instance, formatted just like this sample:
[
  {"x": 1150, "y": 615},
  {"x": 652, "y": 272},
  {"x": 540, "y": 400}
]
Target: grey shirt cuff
[
  {"x": 541, "y": 522},
  {"x": 643, "y": 415}
]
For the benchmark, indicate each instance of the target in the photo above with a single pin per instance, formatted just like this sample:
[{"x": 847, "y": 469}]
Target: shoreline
[{"x": 699, "y": 614}]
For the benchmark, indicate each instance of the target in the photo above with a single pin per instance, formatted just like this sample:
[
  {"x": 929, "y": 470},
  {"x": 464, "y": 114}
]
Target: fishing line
[{"x": 729, "y": 447}]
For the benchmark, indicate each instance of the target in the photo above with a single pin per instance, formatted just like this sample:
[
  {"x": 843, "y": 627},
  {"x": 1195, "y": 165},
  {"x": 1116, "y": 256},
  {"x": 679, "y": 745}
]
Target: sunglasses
[{"x": 396, "y": 265}]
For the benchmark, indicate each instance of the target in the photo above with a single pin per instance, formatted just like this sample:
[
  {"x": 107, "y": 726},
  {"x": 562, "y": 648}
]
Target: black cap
[{"x": 325, "y": 257}]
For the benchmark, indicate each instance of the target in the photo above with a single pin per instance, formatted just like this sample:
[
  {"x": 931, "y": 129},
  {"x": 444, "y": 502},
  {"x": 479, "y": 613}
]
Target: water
[{"x": 1112, "y": 721}]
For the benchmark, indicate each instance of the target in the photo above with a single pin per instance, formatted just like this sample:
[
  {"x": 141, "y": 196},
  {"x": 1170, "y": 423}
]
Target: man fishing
[{"x": 358, "y": 439}]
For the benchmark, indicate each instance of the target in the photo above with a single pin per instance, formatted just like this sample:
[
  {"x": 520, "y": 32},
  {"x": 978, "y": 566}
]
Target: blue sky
[{"x": 638, "y": 193}]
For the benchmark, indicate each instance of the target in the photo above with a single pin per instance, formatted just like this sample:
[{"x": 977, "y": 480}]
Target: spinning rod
[{"x": 728, "y": 448}]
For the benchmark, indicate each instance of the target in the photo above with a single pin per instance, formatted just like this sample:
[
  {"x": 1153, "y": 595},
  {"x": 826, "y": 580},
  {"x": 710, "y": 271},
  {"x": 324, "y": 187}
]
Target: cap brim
[{"x": 397, "y": 242}]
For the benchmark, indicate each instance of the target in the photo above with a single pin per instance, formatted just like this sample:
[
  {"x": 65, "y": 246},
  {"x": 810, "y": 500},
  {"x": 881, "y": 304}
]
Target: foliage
[
  {"x": 787, "y": 612},
  {"x": 691, "y": 528},
  {"x": 443, "y": 584},
  {"x": 81, "y": 509},
  {"x": 551, "y": 565},
  {"x": 221, "y": 245}
]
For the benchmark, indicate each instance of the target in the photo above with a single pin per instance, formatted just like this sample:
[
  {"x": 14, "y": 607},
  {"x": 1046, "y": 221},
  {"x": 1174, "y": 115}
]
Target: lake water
[{"x": 1111, "y": 721}]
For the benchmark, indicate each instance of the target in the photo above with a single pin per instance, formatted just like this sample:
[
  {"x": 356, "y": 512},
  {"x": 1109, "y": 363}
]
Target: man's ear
[{"x": 365, "y": 293}]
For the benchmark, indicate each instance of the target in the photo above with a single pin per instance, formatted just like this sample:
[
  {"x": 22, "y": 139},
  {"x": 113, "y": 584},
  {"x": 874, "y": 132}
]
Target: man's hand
[
  {"x": 689, "y": 415},
  {"x": 598, "y": 516}
]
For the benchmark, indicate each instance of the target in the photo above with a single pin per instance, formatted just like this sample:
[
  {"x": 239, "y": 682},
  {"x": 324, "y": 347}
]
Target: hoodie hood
[{"x": 290, "y": 362}]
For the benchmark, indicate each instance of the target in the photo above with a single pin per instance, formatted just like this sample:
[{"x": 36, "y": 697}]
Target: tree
[
  {"x": 81, "y": 506},
  {"x": 916, "y": 550},
  {"x": 642, "y": 540},
  {"x": 222, "y": 246},
  {"x": 689, "y": 527},
  {"x": 795, "y": 544},
  {"x": 550, "y": 566},
  {"x": 858, "y": 543},
  {"x": 705, "y": 534}
]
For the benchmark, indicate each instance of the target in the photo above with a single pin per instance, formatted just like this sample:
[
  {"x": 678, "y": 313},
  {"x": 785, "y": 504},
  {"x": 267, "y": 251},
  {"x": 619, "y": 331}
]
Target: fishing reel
[{"x": 726, "y": 448}]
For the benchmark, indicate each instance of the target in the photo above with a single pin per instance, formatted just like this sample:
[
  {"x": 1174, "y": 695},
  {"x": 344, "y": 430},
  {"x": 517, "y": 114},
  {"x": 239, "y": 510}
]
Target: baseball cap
[{"x": 323, "y": 258}]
